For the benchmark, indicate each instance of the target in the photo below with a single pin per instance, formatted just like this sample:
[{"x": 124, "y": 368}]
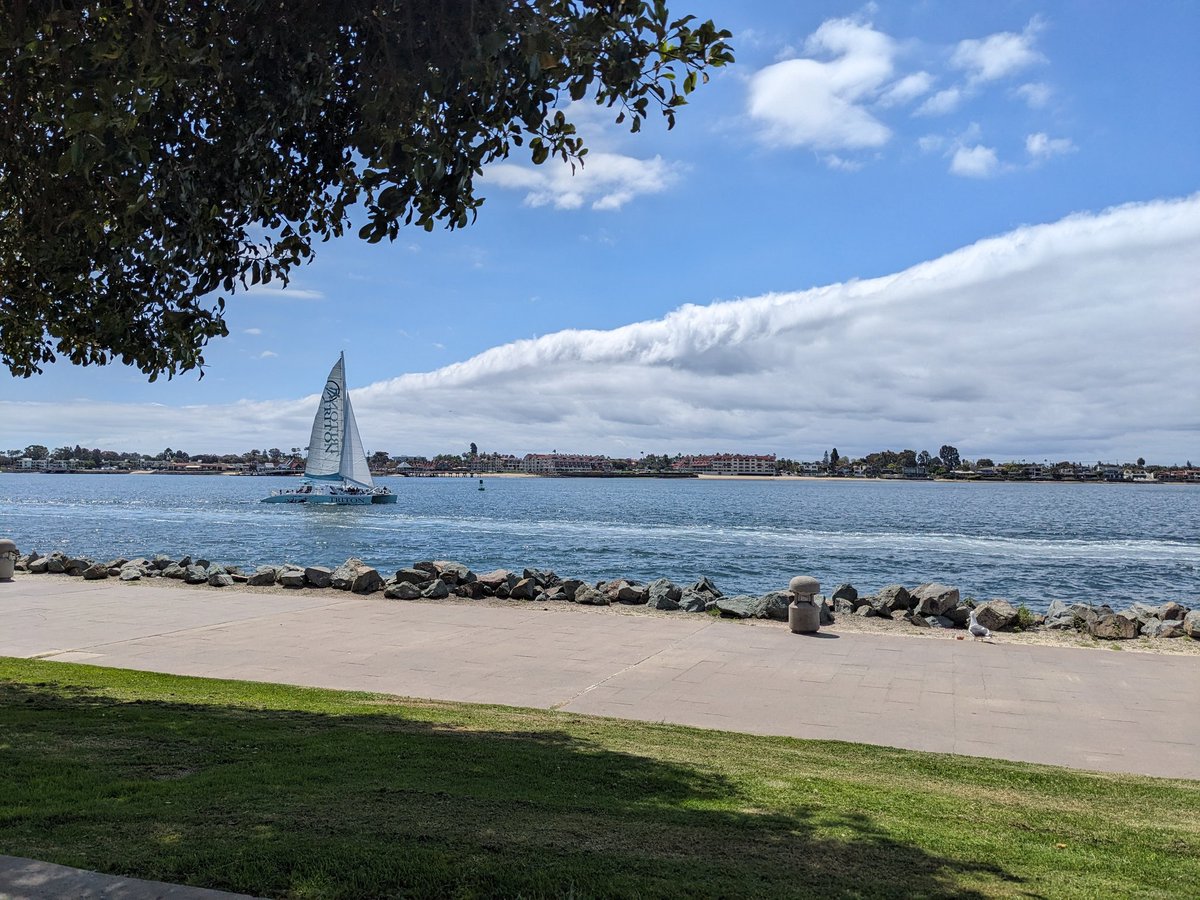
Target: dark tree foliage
[{"x": 156, "y": 157}]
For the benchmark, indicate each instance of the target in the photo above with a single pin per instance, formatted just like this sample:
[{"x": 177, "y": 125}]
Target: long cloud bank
[{"x": 1076, "y": 339}]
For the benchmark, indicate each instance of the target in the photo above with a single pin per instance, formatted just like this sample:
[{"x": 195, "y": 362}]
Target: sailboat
[{"x": 337, "y": 470}]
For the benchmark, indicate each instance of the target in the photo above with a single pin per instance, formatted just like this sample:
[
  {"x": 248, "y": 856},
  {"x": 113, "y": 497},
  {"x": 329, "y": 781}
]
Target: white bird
[{"x": 977, "y": 631}]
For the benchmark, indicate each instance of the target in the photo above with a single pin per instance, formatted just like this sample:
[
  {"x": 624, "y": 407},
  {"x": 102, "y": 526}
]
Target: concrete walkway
[
  {"x": 29, "y": 879},
  {"x": 1116, "y": 712}
]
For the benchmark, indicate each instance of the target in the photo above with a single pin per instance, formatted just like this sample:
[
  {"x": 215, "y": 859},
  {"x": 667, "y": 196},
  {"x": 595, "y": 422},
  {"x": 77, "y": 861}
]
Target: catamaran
[{"x": 337, "y": 470}]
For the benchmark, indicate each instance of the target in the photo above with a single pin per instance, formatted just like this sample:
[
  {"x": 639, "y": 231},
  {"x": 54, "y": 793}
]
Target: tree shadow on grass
[{"x": 405, "y": 800}]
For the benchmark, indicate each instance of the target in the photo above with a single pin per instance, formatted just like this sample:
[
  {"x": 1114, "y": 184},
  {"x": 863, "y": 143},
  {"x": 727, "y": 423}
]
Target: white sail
[
  {"x": 327, "y": 439},
  {"x": 354, "y": 457}
]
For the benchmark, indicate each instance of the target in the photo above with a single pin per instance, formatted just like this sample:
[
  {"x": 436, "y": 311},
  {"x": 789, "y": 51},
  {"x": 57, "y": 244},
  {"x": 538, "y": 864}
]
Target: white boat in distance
[{"x": 336, "y": 471}]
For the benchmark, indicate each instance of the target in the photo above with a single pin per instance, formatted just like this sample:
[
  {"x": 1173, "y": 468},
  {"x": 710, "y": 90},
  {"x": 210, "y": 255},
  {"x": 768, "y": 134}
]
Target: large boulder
[
  {"x": 845, "y": 592},
  {"x": 402, "y": 590},
  {"x": 263, "y": 576},
  {"x": 220, "y": 579},
  {"x": 39, "y": 566},
  {"x": 662, "y": 594},
  {"x": 742, "y": 606},
  {"x": 1173, "y": 611},
  {"x": 895, "y": 597},
  {"x": 96, "y": 572},
  {"x": 544, "y": 577},
  {"x": 693, "y": 601},
  {"x": 1191, "y": 624},
  {"x": 570, "y": 586},
  {"x": 453, "y": 573},
  {"x": 525, "y": 589},
  {"x": 706, "y": 586},
  {"x": 428, "y": 567},
  {"x": 1113, "y": 627},
  {"x": 1143, "y": 612},
  {"x": 589, "y": 596},
  {"x": 489, "y": 580},
  {"x": 1163, "y": 628},
  {"x": 413, "y": 576},
  {"x": 195, "y": 575},
  {"x": 174, "y": 570},
  {"x": 934, "y": 599},
  {"x": 959, "y": 615},
  {"x": 291, "y": 577},
  {"x": 77, "y": 565},
  {"x": 318, "y": 576},
  {"x": 436, "y": 590},
  {"x": 367, "y": 581},
  {"x": 996, "y": 615},
  {"x": 130, "y": 575},
  {"x": 776, "y": 603}
]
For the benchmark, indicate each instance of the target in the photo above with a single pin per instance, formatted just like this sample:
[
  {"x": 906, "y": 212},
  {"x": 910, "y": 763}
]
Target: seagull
[{"x": 977, "y": 631}]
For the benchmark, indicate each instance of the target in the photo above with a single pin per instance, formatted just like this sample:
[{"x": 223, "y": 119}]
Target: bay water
[{"x": 1027, "y": 542}]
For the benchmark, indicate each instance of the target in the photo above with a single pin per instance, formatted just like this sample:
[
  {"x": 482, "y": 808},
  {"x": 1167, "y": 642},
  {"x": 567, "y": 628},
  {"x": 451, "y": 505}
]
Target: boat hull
[{"x": 325, "y": 495}]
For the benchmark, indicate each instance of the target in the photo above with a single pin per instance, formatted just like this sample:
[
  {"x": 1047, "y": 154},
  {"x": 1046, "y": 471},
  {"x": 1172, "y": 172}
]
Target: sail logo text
[{"x": 330, "y": 416}]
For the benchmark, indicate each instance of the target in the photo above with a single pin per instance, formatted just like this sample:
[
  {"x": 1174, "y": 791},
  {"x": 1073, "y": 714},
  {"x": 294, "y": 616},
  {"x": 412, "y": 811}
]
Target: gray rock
[
  {"x": 368, "y": 581},
  {"x": 776, "y": 603},
  {"x": 130, "y": 575},
  {"x": 866, "y": 611},
  {"x": 940, "y": 622},
  {"x": 996, "y": 615},
  {"x": 631, "y": 593},
  {"x": 263, "y": 576},
  {"x": 845, "y": 592},
  {"x": 220, "y": 579},
  {"x": 216, "y": 569},
  {"x": 291, "y": 577},
  {"x": 693, "y": 601},
  {"x": 920, "y": 621},
  {"x": 552, "y": 592},
  {"x": 960, "y": 615},
  {"x": 428, "y": 567},
  {"x": 174, "y": 571},
  {"x": 570, "y": 586},
  {"x": 454, "y": 572},
  {"x": 845, "y": 607},
  {"x": 1173, "y": 611},
  {"x": 1191, "y": 624},
  {"x": 95, "y": 572},
  {"x": 826, "y": 614},
  {"x": 184, "y": 563},
  {"x": 662, "y": 594},
  {"x": 195, "y": 575},
  {"x": 896, "y": 596},
  {"x": 412, "y": 576},
  {"x": 934, "y": 599},
  {"x": 1114, "y": 627},
  {"x": 161, "y": 561},
  {"x": 436, "y": 590},
  {"x": 318, "y": 576},
  {"x": 706, "y": 586},
  {"x": 525, "y": 589},
  {"x": 344, "y": 575},
  {"x": 881, "y": 606},
  {"x": 1163, "y": 628},
  {"x": 544, "y": 578},
  {"x": 589, "y": 596},
  {"x": 490, "y": 581},
  {"x": 742, "y": 606},
  {"x": 121, "y": 561},
  {"x": 39, "y": 566},
  {"x": 1143, "y": 612},
  {"x": 402, "y": 590}
]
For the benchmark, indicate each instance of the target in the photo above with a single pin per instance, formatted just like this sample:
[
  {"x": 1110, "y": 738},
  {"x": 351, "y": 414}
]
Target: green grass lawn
[{"x": 284, "y": 791}]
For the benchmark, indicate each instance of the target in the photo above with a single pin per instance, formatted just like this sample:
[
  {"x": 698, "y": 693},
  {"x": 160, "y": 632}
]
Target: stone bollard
[
  {"x": 803, "y": 615},
  {"x": 8, "y": 559}
]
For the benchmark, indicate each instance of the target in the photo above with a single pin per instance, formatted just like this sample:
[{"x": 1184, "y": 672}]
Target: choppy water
[{"x": 1027, "y": 542}]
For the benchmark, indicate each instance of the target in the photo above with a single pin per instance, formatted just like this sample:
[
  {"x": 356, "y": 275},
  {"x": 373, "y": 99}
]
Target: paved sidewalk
[
  {"x": 29, "y": 879},
  {"x": 1116, "y": 712}
]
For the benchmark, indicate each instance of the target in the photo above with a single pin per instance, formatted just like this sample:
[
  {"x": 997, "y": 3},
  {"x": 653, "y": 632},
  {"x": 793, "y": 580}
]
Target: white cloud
[
  {"x": 1035, "y": 94},
  {"x": 1047, "y": 341},
  {"x": 974, "y": 162},
  {"x": 941, "y": 103},
  {"x": 908, "y": 88},
  {"x": 1040, "y": 146},
  {"x": 931, "y": 143},
  {"x": 606, "y": 181},
  {"x": 842, "y": 165},
  {"x": 813, "y": 103},
  {"x": 998, "y": 55},
  {"x": 267, "y": 354},
  {"x": 276, "y": 291},
  {"x": 254, "y": 331}
]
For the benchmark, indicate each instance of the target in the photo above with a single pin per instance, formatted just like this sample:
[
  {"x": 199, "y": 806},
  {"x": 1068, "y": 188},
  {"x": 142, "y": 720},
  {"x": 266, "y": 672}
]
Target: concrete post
[
  {"x": 803, "y": 615},
  {"x": 8, "y": 559}
]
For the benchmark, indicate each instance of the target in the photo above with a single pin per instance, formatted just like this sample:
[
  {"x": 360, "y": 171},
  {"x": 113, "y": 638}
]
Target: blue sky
[{"x": 848, "y": 144}]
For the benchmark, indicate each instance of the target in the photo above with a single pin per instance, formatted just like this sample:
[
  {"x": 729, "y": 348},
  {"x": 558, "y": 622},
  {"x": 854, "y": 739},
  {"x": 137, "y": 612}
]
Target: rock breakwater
[{"x": 926, "y": 606}]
